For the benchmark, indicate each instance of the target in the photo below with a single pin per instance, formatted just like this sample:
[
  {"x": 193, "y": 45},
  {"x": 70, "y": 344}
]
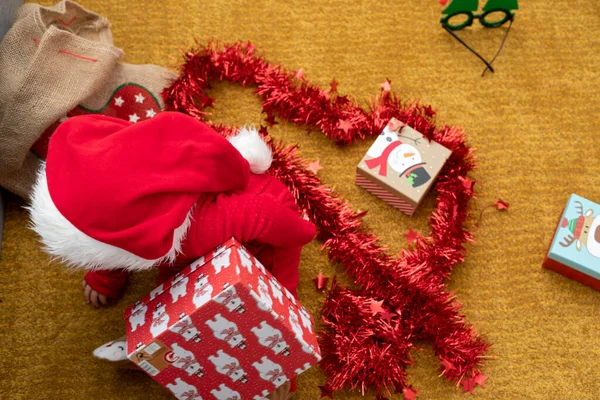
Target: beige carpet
[{"x": 534, "y": 122}]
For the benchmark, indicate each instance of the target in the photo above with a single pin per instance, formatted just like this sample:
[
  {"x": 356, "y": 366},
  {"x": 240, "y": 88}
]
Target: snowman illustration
[
  {"x": 584, "y": 231},
  {"x": 391, "y": 148}
]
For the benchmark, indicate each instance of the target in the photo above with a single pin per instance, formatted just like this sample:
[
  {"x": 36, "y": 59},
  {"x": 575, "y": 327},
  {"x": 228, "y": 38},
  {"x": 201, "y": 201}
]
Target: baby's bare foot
[{"x": 93, "y": 297}]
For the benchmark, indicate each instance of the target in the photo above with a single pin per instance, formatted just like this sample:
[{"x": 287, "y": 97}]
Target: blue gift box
[{"x": 575, "y": 249}]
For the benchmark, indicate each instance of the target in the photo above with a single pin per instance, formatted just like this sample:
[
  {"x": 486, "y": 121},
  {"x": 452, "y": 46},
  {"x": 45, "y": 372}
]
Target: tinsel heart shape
[{"x": 363, "y": 347}]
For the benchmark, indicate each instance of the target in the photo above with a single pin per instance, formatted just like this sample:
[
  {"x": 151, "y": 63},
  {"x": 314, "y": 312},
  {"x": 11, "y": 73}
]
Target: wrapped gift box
[
  {"x": 575, "y": 249},
  {"x": 401, "y": 166},
  {"x": 223, "y": 328}
]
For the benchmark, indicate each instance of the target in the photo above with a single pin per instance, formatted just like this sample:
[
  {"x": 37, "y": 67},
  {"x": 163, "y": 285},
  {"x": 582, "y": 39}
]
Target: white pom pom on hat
[{"x": 253, "y": 148}]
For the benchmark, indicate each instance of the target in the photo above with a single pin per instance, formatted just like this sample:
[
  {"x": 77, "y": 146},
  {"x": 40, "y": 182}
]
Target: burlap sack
[{"x": 56, "y": 62}]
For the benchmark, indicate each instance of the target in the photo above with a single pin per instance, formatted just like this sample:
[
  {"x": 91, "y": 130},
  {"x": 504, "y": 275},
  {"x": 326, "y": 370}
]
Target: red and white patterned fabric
[{"x": 223, "y": 328}]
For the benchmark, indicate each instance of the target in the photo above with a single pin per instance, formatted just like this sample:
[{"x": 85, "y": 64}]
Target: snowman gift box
[
  {"x": 223, "y": 328},
  {"x": 575, "y": 248},
  {"x": 400, "y": 166}
]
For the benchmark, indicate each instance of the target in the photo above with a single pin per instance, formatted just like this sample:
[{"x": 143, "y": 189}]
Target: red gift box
[{"x": 223, "y": 328}]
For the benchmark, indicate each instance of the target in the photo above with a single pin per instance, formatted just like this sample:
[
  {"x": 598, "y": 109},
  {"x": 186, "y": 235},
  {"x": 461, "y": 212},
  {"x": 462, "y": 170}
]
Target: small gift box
[
  {"x": 400, "y": 166},
  {"x": 223, "y": 328},
  {"x": 575, "y": 249}
]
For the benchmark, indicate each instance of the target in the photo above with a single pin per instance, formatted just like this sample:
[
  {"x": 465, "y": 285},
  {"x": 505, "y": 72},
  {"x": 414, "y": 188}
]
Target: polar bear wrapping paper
[
  {"x": 401, "y": 166},
  {"x": 222, "y": 328},
  {"x": 575, "y": 248}
]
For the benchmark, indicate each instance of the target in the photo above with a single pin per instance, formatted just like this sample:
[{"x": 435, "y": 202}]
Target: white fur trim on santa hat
[
  {"x": 253, "y": 148},
  {"x": 80, "y": 251}
]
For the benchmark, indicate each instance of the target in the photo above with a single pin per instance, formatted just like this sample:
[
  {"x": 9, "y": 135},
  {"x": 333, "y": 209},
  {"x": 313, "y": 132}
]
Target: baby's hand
[
  {"x": 93, "y": 297},
  {"x": 281, "y": 393}
]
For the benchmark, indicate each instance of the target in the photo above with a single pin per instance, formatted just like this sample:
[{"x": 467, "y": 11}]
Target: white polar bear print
[
  {"x": 156, "y": 291},
  {"x": 270, "y": 371},
  {"x": 185, "y": 327},
  {"x": 138, "y": 316},
  {"x": 225, "y": 393},
  {"x": 229, "y": 366},
  {"x": 227, "y": 331},
  {"x": 197, "y": 264},
  {"x": 262, "y": 304},
  {"x": 185, "y": 360},
  {"x": 183, "y": 390},
  {"x": 202, "y": 291},
  {"x": 304, "y": 368},
  {"x": 276, "y": 288},
  {"x": 160, "y": 320},
  {"x": 246, "y": 259},
  {"x": 263, "y": 290},
  {"x": 262, "y": 396},
  {"x": 299, "y": 333},
  {"x": 230, "y": 299},
  {"x": 305, "y": 317},
  {"x": 289, "y": 296},
  {"x": 271, "y": 337},
  {"x": 222, "y": 260},
  {"x": 179, "y": 287}
]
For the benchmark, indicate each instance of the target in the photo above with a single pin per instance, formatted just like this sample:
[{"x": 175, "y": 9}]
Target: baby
[{"x": 116, "y": 197}]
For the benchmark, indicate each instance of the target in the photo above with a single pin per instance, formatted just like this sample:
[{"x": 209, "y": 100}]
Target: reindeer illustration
[{"x": 585, "y": 231}]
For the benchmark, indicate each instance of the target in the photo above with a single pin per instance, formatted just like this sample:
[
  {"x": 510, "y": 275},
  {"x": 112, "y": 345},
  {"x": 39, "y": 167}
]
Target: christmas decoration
[
  {"x": 314, "y": 167},
  {"x": 411, "y": 236},
  {"x": 460, "y": 14},
  {"x": 320, "y": 282},
  {"x": 224, "y": 326},
  {"x": 400, "y": 166},
  {"x": 360, "y": 349},
  {"x": 575, "y": 249}
]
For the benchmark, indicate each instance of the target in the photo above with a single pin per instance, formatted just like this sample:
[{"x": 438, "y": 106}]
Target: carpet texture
[{"x": 534, "y": 123}]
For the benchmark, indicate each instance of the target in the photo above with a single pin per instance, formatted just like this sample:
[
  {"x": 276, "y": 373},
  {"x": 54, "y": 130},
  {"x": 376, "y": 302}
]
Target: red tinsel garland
[{"x": 362, "y": 349}]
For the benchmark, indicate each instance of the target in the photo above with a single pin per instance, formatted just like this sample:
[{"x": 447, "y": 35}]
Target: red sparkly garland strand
[{"x": 363, "y": 347}]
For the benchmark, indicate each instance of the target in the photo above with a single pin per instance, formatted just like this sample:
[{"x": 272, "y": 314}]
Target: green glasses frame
[{"x": 508, "y": 16}]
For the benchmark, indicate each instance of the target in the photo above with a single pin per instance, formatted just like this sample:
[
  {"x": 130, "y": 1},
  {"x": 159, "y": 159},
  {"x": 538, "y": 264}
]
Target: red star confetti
[
  {"x": 447, "y": 365},
  {"x": 479, "y": 379},
  {"x": 271, "y": 120},
  {"x": 411, "y": 236},
  {"x": 443, "y": 2},
  {"x": 314, "y": 167},
  {"x": 501, "y": 205},
  {"x": 299, "y": 74},
  {"x": 333, "y": 85},
  {"x": 326, "y": 392},
  {"x": 386, "y": 86},
  {"x": 263, "y": 131},
  {"x": 468, "y": 385},
  {"x": 344, "y": 125},
  {"x": 467, "y": 183},
  {"x": 320, "y": 281},
  {"x": 387, "y": 316},
  {"x": 395, "y": 125},
  {"x": 376, "y": 307},
  {"x": 428, "y": 111},
  {"x": 409, "y": 393}
]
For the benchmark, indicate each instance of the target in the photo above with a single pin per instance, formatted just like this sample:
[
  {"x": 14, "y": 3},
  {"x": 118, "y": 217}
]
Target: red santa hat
[{"x": 116, "y": 194}]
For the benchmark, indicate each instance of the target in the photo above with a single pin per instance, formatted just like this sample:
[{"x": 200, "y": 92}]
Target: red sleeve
[{"x": 109, "y": 283}]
